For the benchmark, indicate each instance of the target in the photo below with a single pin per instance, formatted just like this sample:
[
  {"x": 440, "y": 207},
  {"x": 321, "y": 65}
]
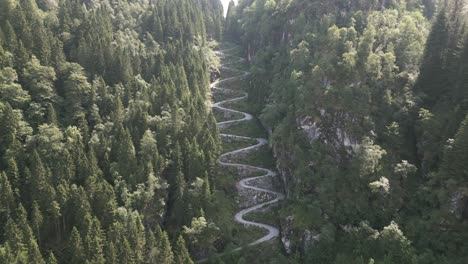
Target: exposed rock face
[
  {"x": 465, "y": 209},
  {"x": 310, "y": 127},
  {"x": 214, "y": 75},
  {"x": 331, "y": 129},
  {"x": 459, "y": 205},
  {"x": 309, "y": 239},
  {"x": 284, "y": 177},
  {"x": 293, "y": 239},
  {"x": 287, "y": 233},
  {"x": 282, "y": 171}
]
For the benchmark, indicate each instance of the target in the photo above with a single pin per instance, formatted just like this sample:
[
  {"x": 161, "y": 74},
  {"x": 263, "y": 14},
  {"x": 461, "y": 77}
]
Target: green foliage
[
  {"x": 161, "y": 251},
  {"x": 181, "y": 254},
  {"x": 366, "y": 107},
  {"x": 10, "y": 91},
  {"x": 94, "y": 100}
]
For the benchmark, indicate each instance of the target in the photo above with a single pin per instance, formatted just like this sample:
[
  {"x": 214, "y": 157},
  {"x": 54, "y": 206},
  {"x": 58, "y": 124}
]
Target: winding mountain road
[{"x": 224, "y": 159}]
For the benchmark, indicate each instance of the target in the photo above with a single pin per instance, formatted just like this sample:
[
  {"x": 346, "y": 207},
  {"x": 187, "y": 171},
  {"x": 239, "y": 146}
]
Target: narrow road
[{"x": 225, "y": 158}]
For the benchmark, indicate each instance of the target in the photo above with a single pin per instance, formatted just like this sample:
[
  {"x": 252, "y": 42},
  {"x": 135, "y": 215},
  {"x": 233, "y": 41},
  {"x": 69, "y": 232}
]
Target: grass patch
[
  {"x": 251, "y": 128},
  {"x": 242, "y": 235},
  {"x": 221, "y": 115},
  {"x": 233, "y": 84},
  {"x": 235, "y": 144},
  {"x": 262, "y": 157},
  {"x": 235, "y": 63},
  {"x": 242, "y": 106},
  {"x": 233, "y": 234},
  {"x": 228, "y": 73},
  {"x": 270, "y": 216},
  {"x": 218, "y": 96},
  {"x": 234, "y": 49}
]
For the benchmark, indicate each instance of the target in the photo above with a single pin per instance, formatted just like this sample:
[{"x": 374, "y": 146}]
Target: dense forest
[
  {"x": 366, "y": 102},
  {"x": 110, "y": 149},
  {"x": 107, "y": 144}
]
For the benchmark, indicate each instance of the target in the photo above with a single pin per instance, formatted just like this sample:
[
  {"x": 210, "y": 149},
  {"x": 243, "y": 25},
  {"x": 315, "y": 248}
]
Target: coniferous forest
[
  {"x": 286, "y": 131},
  {"x": 367, "y": 105},
  {"x": 107, "y": 144}
]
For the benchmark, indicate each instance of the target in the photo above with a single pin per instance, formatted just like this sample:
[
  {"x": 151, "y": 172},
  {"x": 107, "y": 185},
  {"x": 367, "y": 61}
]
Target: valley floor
[{"x": 248, "y": 159}]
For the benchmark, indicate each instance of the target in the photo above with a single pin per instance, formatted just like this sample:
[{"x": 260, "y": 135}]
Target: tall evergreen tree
[
  {"x": 75, "y": 248},
  {"x": 162, "y": 252},
  {"x": 181, "y": 254},
  {"x": 84, "y": 136},
  {"x": 433, "y": 79}
]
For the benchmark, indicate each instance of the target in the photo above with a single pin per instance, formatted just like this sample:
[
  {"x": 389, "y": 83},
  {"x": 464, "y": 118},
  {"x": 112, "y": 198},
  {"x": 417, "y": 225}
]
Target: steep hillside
[
  {"x": 107, "y": 143},
  {"x": 366, "y": 102}
]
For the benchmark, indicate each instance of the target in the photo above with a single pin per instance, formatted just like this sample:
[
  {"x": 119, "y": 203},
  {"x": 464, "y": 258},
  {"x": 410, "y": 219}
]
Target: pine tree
[
  {"x": 22, "y": 55},
  {"x": 13, "y": 173},
  {"x": 55, "y": 214},
  {"x": 21, "y": 26},
  {"x": 181, "y": 254},
  {"x": 25, "y": 229},
  {"x": 94, "y": 165},
  {"x": 118, "y": 113},
  {"x": 51, "y": 116},
  {"x": 177, "y": 206},
  {"x": 42, "y": 42},
  {"x": 136, "y": 237},
  {"x": 34, "y": 254},
  {"x": 83, "y": 127},
  {"x": 94, "y": 243},
  {"x": 38, "y": 179},
  {"x": 14, "y": 237},
  {"x": 151, "y": 160},
  {"x": 7, "y": 201},
  {"x": 111, "y": 254},
  {"x": 453, "y": 167},
  {"x": 36, "y": 220},
  {"x": 206, "y": 191},
  {"x": 75, "y": 248},
  {"x": 195, "y": 161},
  {"x": 76, "y": 148},
  {"x": 125, "y": 252},
  {"x": 75, "y": 89},
  {"x": 7, "y": 6},
  {"x": 51, "y": 259},
  {"x": 3, "y": 54},
  {"x": 10, "y": 91},
  {"x": 150, "y": 245},
  {"x": 433, "y": 78},
  {"x": 230, "y": 25},
  {"x": 161, "y": 251},
  {"x": 462, "y": 92},
  {"x": 124, "y": 153},
  {"x": 40, "y": 80},
  {"x": 10, "y": 37},
  {"x": 58, "y": 56}
]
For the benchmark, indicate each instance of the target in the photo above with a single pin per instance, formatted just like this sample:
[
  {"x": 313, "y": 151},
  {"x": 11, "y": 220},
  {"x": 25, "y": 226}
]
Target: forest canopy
[
  {"x": 109, "y": 147},
  {"x": 366, "y": 101},
  {"x": 104, "y": 129}
]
